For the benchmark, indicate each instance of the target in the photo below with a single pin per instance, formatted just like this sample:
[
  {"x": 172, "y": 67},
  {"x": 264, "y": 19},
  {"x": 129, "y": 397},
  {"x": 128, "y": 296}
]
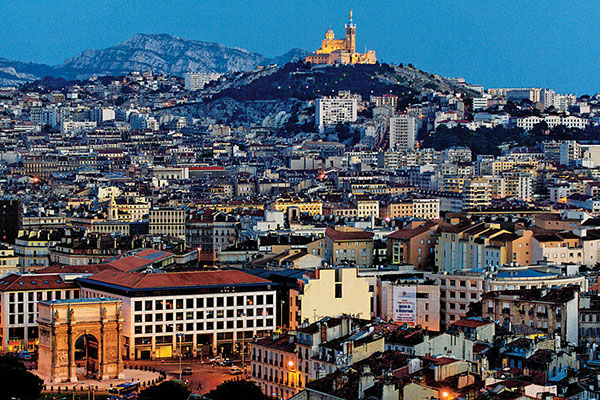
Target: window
[
  {"x": 138, "y": 306},
  {"x": 338, "y": 290}
]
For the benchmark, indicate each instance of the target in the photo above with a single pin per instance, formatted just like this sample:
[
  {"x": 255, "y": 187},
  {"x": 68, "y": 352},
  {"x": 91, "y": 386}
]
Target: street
[{"x": 204, "y": 378}]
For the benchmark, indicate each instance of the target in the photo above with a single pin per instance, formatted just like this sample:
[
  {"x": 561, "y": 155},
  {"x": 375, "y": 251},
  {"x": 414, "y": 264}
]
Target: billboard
[{"x": 405, "y": 304}]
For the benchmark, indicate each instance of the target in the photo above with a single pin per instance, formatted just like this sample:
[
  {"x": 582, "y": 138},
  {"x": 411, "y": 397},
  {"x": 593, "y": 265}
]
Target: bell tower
[{"x": 351, "y": 35}]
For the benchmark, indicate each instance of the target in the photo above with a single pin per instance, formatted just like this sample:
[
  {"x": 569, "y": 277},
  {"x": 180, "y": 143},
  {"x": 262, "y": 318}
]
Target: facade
[
  {"x": 9, "y": 262},
  {"x": 403, "y": 132},
  {"x": 197, "y": 80},
  {"x": 350, "y": 246},
  {"x": 547, "y": 310},
  {"x": 341, "y": 51},
  {"x": 457, "y": 292},
  {"x": 168, "y": 221},
  {"x": 275, "y": 367},
  {"x": 335, "y": 110},
  {"x": 19, "y": 298},
  {"x": 205, "y": 313},
  {"x": 413, "y": 246},
  {"x": 334, "y": 292}
]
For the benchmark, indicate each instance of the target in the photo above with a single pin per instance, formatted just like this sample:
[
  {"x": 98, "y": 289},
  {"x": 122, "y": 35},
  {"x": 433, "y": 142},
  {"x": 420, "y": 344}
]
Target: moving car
[
  {"x": 186, "y": 371},
  {"x": 236, "y": 371}
]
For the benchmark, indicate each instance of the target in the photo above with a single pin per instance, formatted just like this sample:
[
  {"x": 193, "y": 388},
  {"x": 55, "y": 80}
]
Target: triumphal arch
[{"x": 80, "y": 332}]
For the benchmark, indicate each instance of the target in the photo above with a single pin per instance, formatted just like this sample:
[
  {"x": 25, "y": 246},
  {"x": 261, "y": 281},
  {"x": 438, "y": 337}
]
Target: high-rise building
[
  {"x": 403, "y": 132},
  {"x": 10, "y": 220},
  {"x": 335, "y": 110},
  {"x": 44, "y": 116},
  {"x": 197, "y": 80},
  {"x": 101, "y": 114}
]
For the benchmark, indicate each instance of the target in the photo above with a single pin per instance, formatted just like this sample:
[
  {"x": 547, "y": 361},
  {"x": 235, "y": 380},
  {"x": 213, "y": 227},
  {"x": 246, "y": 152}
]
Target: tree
[
  {"x": 171, "y": 390},
  {"x": 236, "y": 390},
  {"x": 16, "y": 382}
]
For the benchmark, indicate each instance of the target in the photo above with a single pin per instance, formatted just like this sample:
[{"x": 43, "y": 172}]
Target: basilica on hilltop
[{"x": 341, "y": 51}]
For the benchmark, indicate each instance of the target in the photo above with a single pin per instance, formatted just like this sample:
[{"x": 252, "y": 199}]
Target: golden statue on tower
[{"x": 341, "y": 51}]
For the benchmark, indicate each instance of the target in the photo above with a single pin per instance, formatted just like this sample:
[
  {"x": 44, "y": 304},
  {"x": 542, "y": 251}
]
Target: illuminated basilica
[{"x": 341, "y": 51}]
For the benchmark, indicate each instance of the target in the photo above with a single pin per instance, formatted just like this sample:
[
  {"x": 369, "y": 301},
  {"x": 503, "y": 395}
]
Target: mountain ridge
[{"x": 162, "y": 53}]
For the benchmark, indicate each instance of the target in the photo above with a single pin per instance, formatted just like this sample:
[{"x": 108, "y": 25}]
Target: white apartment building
[
  {"x": 19, "y": 296},
  {"x": 197, "y": 313},
  {"x": 426, "y": 208},
  {"x": 403, "y": 132},
  {"x": 101, "y": 114},
  {"x": 197, "y": 80},
  {"x": 75, "y": 127},
  {"x": 335, "y": 110}
]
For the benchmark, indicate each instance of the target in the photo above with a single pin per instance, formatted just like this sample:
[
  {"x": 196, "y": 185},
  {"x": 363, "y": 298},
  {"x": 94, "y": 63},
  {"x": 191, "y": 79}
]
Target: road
[{"x": 204, "y": 377}]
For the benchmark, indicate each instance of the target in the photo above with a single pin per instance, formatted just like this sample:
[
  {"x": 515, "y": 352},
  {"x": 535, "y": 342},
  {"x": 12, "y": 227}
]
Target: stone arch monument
[{"x": 97, "y": 322}]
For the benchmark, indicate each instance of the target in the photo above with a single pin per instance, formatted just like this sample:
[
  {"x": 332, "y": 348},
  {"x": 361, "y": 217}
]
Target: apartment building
[
  {"x": 303, "y": 206},
  {"x": 201, "y": 312},
  {"x": 9, "y": 262},
  {"x": 563, "y": 247},
  {"x": 403, "y": 132},
  {"x": 19, "y": 297},
  {"x": 334, "y": 292},
  {"x": 211, "y": 232},
  {"x": 547, "y": 310},
  {"x": 413, "y": 246},
  {"x": 422, "y": 299},
  {"x": 275, "y": 367},
  {"x": 32, "y": 248},
  {"x": 346, "y": 245},
  {"x": 335, "y": 110},
  {"x": 457, "y": 291},
  {"x": 168, "y": 221}
]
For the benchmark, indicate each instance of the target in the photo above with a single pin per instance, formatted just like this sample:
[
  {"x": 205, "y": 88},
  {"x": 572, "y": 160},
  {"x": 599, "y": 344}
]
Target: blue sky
[{"x": 496, "y": 43}]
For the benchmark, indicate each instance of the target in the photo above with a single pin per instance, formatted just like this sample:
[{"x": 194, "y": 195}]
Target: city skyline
[{"x": 496, "y": 46}]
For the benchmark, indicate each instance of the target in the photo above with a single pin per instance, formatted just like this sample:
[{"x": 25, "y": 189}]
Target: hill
[{"x": 272, "y": 96}]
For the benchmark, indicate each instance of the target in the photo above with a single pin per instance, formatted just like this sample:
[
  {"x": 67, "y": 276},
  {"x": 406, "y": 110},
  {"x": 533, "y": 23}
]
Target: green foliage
[
  {"x": 487, "y": 140},
  {"x": 171, "y": 390},
  {"x": 246, "y": 390},
  {"x": 16, "y": 382}
]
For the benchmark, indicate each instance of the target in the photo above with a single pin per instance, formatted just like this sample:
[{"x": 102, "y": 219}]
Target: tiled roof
[
  {"x": 138, "y": 280},
  {"x": 348, "y": 235},
  {"x": 16, "y": 282}
]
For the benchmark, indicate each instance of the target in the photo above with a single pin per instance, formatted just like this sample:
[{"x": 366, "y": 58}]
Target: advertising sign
[{"x": 405, "y": 304}]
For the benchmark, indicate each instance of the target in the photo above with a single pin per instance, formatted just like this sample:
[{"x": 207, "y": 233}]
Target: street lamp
[
  {"x": 244, "y": 342},
  {"x": 179, "y": 335}
]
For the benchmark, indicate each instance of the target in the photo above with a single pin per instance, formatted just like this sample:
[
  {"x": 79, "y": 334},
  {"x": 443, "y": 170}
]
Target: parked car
[{"x": 24, "y": 355}]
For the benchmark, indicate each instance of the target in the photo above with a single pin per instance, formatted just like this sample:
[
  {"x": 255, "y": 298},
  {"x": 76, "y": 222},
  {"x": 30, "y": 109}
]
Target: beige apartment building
[
  {"x": 168, "y": 221},
  {"x": 350, "y": 246},
  {"x": 335, "y": 292}
]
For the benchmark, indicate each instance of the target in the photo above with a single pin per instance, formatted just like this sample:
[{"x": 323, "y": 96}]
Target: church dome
[{"x": 329, "y": 34}]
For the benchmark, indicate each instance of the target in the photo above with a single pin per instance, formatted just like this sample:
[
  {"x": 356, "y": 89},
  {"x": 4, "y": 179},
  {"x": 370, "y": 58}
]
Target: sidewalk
[{"x": 131, "y": 375}]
